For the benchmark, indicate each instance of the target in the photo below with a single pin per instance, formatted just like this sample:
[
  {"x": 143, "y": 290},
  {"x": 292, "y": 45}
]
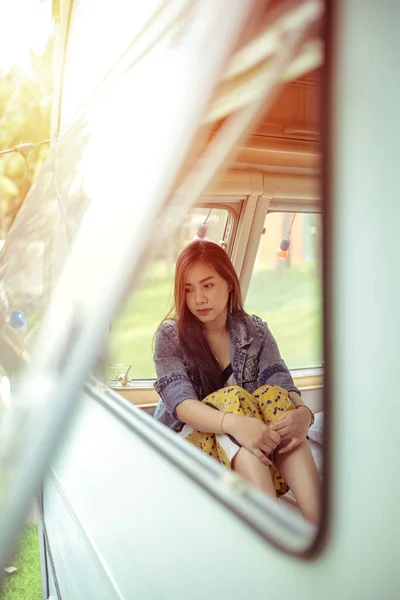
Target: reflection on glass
[
  {"x": 38, "y": 244},
  {"x": 133, "y": 331}
]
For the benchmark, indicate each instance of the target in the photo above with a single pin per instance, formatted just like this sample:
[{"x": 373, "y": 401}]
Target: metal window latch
[{"x": 124, "y": 378}]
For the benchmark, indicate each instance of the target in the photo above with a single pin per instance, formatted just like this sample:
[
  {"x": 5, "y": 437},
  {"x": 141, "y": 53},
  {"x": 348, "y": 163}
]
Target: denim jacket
[{"x": 255, "y": 358}]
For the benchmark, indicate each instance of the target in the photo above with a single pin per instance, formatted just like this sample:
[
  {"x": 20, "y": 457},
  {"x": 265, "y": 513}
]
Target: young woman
[{"x": 224, "y": 386}]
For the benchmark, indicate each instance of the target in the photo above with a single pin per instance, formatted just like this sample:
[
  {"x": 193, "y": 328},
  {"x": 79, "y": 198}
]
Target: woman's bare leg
[
  {"x": 298, "y": 469},
  {"x": 254, "y": 471}
]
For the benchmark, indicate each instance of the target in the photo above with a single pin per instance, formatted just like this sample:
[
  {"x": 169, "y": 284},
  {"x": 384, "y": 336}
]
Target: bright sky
[{"x": 25, "y": 25}]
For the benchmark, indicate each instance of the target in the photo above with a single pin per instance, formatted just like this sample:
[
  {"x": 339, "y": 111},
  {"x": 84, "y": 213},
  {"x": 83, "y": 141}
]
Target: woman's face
[{"x": 207, "y": 294}]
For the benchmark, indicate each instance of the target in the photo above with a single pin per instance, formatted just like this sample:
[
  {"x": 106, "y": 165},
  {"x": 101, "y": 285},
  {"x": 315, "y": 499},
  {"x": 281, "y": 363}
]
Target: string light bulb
[
  {"x": 283, "y": 251},
  {"x": 202, "y": 229}
]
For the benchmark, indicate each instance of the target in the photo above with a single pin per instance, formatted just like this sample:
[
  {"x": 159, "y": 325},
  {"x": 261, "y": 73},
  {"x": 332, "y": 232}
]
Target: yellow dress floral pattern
[{"x": 267, "y": 403}]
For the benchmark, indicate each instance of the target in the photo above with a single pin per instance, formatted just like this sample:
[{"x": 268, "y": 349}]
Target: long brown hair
[{"x": 204, "y": 370}]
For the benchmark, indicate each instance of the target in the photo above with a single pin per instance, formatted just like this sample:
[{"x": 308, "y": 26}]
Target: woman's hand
[
  {"x": 292, "y": 425},
  {"x": 253, "y": 434}
]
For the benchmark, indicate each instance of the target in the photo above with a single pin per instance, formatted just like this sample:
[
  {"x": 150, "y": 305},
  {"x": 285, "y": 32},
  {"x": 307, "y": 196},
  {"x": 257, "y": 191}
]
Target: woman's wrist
[{"x": 228, "y": 423}]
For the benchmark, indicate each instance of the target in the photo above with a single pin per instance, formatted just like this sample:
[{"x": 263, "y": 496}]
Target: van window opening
[{"x": 286, "y": 286}]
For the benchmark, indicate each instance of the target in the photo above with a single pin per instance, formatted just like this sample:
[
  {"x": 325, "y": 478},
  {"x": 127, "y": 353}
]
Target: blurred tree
[{"x": 25, "y": 114}]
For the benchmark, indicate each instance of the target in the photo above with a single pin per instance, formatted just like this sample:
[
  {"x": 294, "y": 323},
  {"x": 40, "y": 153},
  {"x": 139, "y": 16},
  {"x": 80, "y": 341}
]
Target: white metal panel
[{"x": 124, "y": 521}]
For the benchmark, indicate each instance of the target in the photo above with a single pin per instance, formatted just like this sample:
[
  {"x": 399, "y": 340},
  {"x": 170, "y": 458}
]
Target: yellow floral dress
[{"x": 267, "y": 403}]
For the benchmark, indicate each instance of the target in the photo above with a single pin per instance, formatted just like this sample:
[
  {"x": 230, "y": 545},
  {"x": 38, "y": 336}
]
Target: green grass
[
  {"x": 291, "y": 305},
  {"x": 24, "y": 584},
  {"x": 132, "y": 333},
  {"x": 289, "y": 302}
]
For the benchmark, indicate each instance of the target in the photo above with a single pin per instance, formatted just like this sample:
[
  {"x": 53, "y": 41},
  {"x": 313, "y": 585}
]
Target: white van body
[{"x": 126, "y": 509}]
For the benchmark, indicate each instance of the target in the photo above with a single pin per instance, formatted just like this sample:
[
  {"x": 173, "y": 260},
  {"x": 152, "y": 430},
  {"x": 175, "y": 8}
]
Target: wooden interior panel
[{"x": 288, "y": 136}]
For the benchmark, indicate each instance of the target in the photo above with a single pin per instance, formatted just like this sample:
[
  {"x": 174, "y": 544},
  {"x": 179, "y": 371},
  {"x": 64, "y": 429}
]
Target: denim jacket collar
[{"x": 239, "y": 333}]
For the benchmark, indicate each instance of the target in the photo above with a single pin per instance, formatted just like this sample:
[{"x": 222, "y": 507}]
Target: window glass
[
  {"x": 286, "y": 287},
  {"x": 132, "y": 333}
]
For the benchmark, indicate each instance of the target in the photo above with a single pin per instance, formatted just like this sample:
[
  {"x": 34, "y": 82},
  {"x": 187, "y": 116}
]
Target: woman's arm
[
  {"x": 296, "y": 399},
  {"x": 173, "y": 383},
  {"x": 253, "y": 434},
  {"x": 200, "y": 416},
  {"x": 293, "y": 425},
  {"x": 298, "y": 402}
]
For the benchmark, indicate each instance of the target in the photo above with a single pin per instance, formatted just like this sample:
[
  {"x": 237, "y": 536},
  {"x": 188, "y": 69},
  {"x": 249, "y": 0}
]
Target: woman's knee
[
  {"x": 275, "y": 390},
  {"x": 273, "y": 401},
  {"x": 232, "y": 394},
  {"x": 235, "y": 390}
]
